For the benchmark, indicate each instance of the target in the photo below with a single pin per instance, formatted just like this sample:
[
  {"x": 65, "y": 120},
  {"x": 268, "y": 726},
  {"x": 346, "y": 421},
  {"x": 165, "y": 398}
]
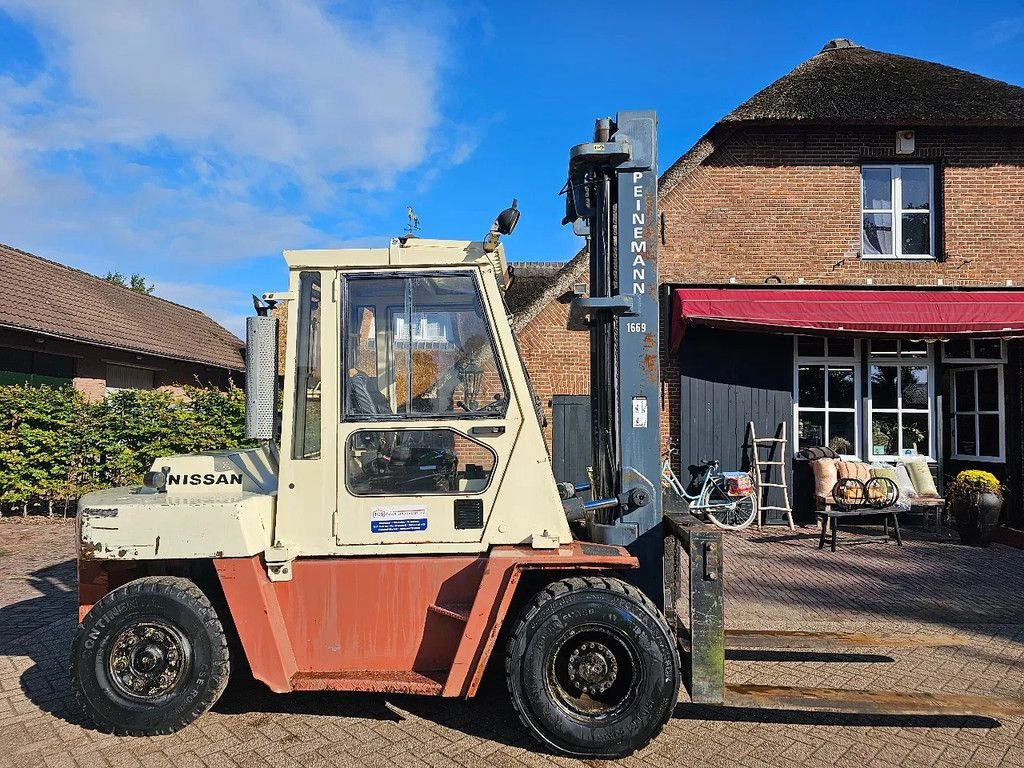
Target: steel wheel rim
[
  {"x": 735, "y": 516},
  {"x": 594, "y": 673},
  {"x": 148, "y": 660}
]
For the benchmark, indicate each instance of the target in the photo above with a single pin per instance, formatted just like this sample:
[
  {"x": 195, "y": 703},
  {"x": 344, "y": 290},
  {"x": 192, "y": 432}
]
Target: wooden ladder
[{"x": 776, "y": 457}]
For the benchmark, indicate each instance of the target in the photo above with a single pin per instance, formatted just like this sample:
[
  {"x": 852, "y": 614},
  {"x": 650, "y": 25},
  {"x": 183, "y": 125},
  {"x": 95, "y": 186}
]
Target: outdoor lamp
[{"x": 471, "y": 376}]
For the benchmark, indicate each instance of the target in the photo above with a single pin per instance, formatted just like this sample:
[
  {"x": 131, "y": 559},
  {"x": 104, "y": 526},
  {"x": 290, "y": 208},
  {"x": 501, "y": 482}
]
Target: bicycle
[{"x": 726, "y": 498}]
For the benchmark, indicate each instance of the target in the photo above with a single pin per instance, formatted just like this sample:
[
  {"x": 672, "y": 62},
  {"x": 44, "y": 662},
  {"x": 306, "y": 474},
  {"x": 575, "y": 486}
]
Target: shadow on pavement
[{"x": 805, "y": 717}]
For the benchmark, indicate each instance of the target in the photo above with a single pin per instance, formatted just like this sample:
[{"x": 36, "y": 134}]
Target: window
[
  {"x": 978, "y": 420},
  {"x": 398, "y": 462},
  {"x": 972, "y": 350},
  {"x": 898, "y": 211},
  {"x": 416, "y": 347},
  {"x": 900, "y": 397},
  {"x": 306, "y": 437},
  {"x": 125, "y": 377},
  {"x": 827, "y": 391},
  {"x": 24, "y": 366}
]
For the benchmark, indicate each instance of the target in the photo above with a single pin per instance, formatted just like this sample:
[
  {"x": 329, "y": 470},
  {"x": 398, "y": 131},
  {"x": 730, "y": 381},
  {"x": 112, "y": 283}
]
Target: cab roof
[{"x": 401, "y": 252}]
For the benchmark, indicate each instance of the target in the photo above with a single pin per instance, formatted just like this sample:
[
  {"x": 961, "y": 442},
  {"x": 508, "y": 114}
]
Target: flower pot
[{"x": 977, "y": 516}]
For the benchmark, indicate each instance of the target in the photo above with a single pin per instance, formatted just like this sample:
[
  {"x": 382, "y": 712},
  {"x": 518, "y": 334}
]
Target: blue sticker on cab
[{"x": 398, "y": 518}]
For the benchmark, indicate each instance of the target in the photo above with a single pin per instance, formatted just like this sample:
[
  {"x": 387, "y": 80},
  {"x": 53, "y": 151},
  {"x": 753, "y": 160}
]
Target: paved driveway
[{"x": 775, "y": 579}]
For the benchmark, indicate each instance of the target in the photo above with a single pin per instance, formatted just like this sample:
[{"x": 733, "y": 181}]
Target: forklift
[{"x": 400, "y": 526}]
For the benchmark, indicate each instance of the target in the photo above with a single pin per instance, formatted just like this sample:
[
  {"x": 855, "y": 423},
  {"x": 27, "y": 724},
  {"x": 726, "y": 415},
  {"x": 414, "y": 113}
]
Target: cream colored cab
[{"x": 409, "y": 424}]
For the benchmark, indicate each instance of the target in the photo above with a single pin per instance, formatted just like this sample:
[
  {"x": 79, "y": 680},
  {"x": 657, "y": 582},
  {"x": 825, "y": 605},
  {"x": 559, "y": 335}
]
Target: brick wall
[
  {"x": 558, "y": 359},
  {"x": 786, "y": 202}
]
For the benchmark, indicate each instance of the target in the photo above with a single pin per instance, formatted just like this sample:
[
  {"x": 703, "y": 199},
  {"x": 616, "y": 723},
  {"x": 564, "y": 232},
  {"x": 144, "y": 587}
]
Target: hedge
[{"x": 55, "y": 445}]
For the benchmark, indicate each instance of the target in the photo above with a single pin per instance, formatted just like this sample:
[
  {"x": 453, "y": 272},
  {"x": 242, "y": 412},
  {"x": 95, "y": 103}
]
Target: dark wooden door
[{"x": 570, "y": 437}]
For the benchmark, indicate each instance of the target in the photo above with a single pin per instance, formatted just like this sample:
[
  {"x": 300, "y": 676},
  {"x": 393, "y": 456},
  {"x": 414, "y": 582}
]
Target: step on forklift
[{"x": 408, "y": 528}]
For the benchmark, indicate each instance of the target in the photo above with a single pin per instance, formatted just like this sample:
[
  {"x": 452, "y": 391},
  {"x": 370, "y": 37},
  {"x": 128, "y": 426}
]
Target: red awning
[{"x": 923, "y": 313}]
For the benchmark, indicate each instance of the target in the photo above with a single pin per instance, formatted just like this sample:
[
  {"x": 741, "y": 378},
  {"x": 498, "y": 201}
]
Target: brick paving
[{"x": 775, "y": 579}]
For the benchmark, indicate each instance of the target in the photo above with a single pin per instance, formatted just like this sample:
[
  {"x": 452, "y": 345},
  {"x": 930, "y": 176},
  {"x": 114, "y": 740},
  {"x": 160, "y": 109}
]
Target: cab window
[
  {"x": 306, "y": 439},
  {"x": 418, "y": 347}
]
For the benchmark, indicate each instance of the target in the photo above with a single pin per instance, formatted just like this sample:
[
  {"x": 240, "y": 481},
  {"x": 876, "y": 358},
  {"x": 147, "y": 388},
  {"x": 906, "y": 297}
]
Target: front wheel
[
  {"x": 150, "y": 657},
  {"x": 727, "y": 512},
  {"x": 592, "y": 668}
]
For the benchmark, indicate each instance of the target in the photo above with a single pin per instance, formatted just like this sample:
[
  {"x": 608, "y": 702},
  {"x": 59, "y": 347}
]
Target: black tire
[
  {"x": 592, "y": 668},
  {"x": 150, "y": 657}
]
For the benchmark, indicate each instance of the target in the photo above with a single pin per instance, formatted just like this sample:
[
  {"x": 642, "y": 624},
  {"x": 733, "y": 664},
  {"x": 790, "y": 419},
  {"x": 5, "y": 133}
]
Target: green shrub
[{"x": 56, "y": 446}]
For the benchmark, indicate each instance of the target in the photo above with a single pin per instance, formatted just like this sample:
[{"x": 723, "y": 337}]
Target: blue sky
[{"x": 194, "y": 141}]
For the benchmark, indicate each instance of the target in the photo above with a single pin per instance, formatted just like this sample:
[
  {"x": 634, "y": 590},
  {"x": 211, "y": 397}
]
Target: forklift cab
[{"x": 404, "y": 402}]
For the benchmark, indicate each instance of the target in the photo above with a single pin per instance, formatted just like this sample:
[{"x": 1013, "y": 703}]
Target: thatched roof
[
  {"x": 848, "y": 84},
  {"x": 531, "y": 278},
  {"x": 844, "y": 84}
]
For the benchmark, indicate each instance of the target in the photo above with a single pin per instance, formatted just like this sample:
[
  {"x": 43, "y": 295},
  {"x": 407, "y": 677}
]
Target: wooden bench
[{"x": 830, "y": 517}]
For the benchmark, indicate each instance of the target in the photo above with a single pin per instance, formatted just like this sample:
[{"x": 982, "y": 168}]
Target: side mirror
[{"x": 260, "y": 377}]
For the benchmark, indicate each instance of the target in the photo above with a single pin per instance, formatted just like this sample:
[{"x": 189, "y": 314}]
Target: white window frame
[
  {"x": 826, "y": 361},
  {"x": 1001, "y": 413},
  {"x": 926, "y": 360},
  {"x": 897, "y": 210},
  {"x": 972, "y": 360}
]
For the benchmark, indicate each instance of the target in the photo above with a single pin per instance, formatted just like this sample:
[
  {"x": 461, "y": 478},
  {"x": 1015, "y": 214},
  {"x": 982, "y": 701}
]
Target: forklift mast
[{"x": 612, "y": 201}]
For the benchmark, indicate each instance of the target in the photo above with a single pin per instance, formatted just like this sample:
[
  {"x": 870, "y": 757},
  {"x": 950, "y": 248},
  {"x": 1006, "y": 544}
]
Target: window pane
[
  {"x": 988, "y": 349},
  {"x": 812, "y": 429},
  {"x": 883, "y": 386},
  {"x": 811, "y": 386},
  {"x": 878, "y": 234},
  {"x": 840, "y": 387},
  {"x": 877, "y": 188},
  {"x": 916, "y": 235},
  {"x": 810, "y": 346},
  {"x": 915, "y": 434},
  {"x": 415, "y": 462},
  {"x": 306, "y": 438},
  {"x": 884, "y": 437},
  {"x": 963, "y": 383},
  {"x": 841, "y": 434},
  {"x": 914, "y": 380},
  {"x": 988, "y": 389},
  {"x": 916, "y": 184},
  {"x": 910, "y": 348},
  {"x": 433, "y": 354},
  {"x": 840, "y": 347},
  {"x": 957, "y": 349},
  {"x": 966, "y": 440},
  {"x": 988, "y": 435},
  {"x": 884, "y": 347}
]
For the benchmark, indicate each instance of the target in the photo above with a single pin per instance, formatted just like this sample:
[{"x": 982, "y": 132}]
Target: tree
[{"x": 135, "y": 283}]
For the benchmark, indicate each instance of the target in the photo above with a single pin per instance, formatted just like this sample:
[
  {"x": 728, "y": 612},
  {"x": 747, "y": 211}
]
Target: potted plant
[{"x": 975, "y": 499}]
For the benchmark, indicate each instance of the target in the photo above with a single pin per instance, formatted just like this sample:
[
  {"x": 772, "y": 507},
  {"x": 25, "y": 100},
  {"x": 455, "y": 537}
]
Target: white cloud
[
  {"x": 281, "y": 81},
  {"x": 175, "y": 139}
]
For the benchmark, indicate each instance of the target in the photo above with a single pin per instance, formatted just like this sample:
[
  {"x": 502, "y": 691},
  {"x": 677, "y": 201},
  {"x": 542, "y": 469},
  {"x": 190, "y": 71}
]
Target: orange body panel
[{"x": 396, "y": 624}]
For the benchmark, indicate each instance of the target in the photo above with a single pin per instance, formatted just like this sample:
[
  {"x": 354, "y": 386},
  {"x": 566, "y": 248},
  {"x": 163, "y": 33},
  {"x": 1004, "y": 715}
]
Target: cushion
[
  {"x": 858, "y": 470},
  {"x": 921, "y": 477},
  {"x": 884, "y": 470},
  {"x": 818, "y": 452},
  {"x": 824, "y": 477},
  {"x": 907, "y": 489}
]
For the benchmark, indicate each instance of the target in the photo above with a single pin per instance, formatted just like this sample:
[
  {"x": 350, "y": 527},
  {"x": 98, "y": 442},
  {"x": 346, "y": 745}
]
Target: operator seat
[{"x": 364, "y": 399}]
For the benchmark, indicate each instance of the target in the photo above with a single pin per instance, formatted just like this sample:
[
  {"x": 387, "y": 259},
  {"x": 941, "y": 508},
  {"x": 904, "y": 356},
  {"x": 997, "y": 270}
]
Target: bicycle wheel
[{"x": 727, "y": 512}]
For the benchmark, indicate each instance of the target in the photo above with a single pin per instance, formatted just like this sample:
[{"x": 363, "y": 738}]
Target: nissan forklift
[{"x": 400, "y": 527}]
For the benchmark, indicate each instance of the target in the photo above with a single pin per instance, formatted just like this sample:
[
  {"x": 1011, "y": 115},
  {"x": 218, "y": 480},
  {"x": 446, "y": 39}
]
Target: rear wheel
[
  {"x": 150, "y": 657},
  {"x": 592, "y": 668},
  {"x": 729, "y": 512}
]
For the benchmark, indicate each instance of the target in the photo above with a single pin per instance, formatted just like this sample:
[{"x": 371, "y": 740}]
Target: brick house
[
  {"x": 60, "y": 326},
  {"x": 841, "y": 253}
]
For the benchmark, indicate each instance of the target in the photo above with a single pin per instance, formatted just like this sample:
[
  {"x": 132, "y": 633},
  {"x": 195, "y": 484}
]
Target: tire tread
[{"x": 187, "y": 593}]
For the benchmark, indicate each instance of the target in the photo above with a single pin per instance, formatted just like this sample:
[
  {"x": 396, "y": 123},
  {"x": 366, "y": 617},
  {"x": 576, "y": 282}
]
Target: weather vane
[{"x": 414, "y": 220}]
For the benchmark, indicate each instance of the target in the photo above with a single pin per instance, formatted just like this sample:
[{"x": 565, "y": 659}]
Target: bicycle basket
[{"x": 738, "y": 483}]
